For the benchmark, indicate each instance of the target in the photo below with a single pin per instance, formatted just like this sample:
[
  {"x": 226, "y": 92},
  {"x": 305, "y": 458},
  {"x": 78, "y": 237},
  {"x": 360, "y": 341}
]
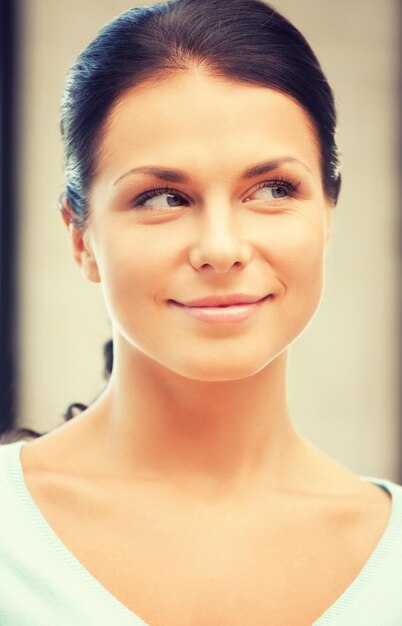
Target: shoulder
[
  {"x": 9, "y": 456},
  {"x": 11, "y": 491},
  {"x": 387, "y": 485}
]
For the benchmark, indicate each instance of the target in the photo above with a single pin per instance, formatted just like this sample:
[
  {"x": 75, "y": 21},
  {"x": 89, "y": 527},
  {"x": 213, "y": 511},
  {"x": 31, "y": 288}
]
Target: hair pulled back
[{"x": 243, "y": 40}]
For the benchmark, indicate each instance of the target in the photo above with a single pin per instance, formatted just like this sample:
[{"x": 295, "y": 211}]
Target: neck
[{"x": 212, "y": 437}]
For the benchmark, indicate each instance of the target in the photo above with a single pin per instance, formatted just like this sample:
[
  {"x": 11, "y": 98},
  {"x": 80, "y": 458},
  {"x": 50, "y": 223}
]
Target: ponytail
[{"x": 17, "y": 434}]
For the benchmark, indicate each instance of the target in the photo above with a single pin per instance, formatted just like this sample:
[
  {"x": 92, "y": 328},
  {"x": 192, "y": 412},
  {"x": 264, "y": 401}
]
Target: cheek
[
  {"x": 294, "y": 245},
  {"x": 295, "y": 251},
  {"x": 134, "y": 269}
]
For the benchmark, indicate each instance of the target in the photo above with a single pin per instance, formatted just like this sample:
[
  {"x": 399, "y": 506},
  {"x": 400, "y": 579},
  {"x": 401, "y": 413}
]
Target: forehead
[{"x": 193, "y": 119}]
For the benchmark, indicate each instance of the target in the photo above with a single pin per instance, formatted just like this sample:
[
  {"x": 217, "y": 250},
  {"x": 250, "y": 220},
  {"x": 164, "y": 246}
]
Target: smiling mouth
[
  {"x": 222, "y": 306},
  {"x": 222, "y": 301},
  {"x": 222, "y": 314}
]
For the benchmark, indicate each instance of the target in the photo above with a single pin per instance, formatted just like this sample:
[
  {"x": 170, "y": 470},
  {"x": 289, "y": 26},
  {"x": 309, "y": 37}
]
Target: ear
[{"x": 80, "y": 241}]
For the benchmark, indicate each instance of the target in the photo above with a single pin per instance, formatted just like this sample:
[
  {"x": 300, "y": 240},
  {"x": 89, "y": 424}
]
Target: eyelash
[
  {"x": 291, "y": 187},
  {"x": 154, "y": 191}
]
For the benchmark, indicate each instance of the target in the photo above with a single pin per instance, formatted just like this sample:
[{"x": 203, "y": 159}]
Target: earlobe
[
  {"x": 80, "y": 242},
  {"x": 84, "y": 254}
]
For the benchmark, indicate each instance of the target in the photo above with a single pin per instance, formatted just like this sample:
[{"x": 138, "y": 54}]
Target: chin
[{"x": 221, "y": 370}]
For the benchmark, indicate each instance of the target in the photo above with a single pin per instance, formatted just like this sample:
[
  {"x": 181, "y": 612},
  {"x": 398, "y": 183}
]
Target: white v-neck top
[{"x": 43, "y": 584}]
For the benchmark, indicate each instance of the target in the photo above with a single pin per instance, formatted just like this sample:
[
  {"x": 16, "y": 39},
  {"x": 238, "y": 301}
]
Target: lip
[
  {"x": 226, "y": 313},
  {"x": 222, "y": 300}
]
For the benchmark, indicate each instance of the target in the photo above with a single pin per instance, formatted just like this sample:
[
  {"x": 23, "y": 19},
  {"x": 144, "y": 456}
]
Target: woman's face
[{"x": 204, "y": 227}]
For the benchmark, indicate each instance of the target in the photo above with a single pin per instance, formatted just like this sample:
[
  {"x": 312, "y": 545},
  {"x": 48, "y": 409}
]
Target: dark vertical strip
[{"x": 8, "y": 210}]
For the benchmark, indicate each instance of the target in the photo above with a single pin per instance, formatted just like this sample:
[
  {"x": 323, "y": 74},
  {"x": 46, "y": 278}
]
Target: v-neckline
[{"x": 370, "y": 569}]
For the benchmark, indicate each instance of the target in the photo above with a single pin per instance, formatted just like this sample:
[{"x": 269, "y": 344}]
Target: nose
[{"x": 219, "y": 246}]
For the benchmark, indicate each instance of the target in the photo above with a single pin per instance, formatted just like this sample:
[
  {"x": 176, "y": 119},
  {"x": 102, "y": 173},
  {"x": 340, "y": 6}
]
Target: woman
[{"x": 202, "y": 177}]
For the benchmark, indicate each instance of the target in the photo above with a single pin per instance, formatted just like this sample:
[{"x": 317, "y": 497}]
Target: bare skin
[
  {"x": 210, "y": 507},
  {"x": 177, "y": 558}
]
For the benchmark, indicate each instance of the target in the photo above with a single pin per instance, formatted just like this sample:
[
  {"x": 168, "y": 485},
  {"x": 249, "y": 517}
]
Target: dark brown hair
[
  {"x": 15, "y": 434},
  {"x": 242, "y": 40}
]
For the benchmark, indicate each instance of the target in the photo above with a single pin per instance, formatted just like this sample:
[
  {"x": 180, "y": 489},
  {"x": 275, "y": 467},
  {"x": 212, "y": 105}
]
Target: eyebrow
[{"x": 179, "y": 176}]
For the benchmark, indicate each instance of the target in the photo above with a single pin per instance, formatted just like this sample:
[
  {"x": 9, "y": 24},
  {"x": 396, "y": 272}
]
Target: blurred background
[{"x": 345, "y": 369}]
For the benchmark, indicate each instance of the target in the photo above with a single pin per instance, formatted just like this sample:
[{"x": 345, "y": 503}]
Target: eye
[
  {"x": 276, "y": 189},
  {"x": 162, "y": 199}
]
